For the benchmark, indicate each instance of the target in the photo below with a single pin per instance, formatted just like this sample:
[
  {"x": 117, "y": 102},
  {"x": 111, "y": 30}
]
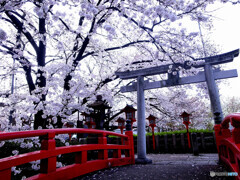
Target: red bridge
[
  {"x": 49, "y": 152},
  {"x": 228, "y": 143}
]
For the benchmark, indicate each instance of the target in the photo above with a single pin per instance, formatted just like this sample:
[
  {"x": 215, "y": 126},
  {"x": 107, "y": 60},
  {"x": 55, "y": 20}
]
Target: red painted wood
[
  {"x": 130, "y": 142},
  {"x": 81, "y": 169},
  {"x": 228, "y": 143},
  {"x": 49, "y": 152},
  {"x": 5, "y": 173},
  {"x": 103, "y": 154},
  {"x": 153, "y": 139},
  {"x": 34, "y": 133},
  {"x": 188, "y": 136},
  {"x": 189, "y": 142}
]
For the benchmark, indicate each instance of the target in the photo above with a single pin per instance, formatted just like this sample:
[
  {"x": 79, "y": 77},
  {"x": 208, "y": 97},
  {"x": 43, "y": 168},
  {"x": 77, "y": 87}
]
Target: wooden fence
[{"x": 178, "y": 143}]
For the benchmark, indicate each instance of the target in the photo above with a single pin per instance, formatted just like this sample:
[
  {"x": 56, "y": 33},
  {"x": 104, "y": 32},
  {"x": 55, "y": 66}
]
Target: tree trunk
[
  {"x": 41, "y": 79},
  {"x": 40, "y": 121}
]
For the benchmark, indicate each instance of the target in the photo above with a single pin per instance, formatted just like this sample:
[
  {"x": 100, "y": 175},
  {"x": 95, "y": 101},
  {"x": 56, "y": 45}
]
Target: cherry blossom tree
[
  {"x": 231, "y": 105},
  {"x": 67, "y": 51}
]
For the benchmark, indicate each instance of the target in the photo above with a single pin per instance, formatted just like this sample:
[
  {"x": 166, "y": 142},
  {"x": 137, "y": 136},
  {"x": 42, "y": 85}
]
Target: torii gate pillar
[
  {"x": 141, "y": 140},
  {"x": 213, "y": 93}
]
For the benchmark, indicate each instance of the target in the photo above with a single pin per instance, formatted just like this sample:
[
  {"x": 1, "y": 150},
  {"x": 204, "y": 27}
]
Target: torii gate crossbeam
[{"x": 209, "y": 75}]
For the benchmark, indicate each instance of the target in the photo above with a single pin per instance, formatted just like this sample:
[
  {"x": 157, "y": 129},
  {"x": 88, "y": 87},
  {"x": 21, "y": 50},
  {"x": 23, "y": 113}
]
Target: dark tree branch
[
  {"x": 26, "y": 67},
  {"x": 78, "y": 58},
  {"x": 114, "y": 116},
  {"x": 118, "y": 47},
  {"x": 19, "y": 26}
]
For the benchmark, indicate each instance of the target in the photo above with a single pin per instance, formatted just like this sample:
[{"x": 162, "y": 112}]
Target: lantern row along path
[{"x": 165, "y": 167}]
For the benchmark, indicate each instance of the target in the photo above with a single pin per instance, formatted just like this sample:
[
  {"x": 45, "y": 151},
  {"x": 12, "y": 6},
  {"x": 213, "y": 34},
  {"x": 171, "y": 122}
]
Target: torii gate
[{"x": 209, "y": 75}]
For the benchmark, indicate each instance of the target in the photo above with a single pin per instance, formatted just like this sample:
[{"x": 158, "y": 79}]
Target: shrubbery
[{"x": 180, "y": 132}]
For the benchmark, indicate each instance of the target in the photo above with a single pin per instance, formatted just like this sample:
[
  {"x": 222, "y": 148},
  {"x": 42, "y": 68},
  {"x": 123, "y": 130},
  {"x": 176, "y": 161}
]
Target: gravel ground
[{"x": 164, "y": 167}]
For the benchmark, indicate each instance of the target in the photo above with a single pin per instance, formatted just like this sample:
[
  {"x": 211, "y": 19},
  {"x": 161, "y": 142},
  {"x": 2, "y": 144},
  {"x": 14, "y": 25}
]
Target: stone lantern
[{"x": 99, "y": 114}]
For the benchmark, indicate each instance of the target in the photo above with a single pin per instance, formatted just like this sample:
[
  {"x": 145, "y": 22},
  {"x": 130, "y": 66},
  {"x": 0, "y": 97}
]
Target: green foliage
[
  {"x": 231, "y": 105},
  {"x": 111, "y": 136},
  {"x": 181, "y": 132}
]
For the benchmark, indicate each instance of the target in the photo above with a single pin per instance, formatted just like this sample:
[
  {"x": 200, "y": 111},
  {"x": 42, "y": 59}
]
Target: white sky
[{"x": 226, "y": 33}]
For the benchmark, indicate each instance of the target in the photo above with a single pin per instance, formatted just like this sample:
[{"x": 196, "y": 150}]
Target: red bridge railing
[
  {"x": 49, "y": 152},
  {"x": 228, "y": 142}
]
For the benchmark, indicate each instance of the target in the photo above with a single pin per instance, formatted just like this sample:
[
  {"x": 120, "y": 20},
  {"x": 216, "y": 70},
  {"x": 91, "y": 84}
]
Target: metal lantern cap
[
  {"x": 128, "y": 108},
  {"x": 99, "y": 103},
  {"x": 152, "y": 120},
  {"x": 120, "y": 120},
  {"x": 151, "y": 117},
  {"x": 85, "y": 114},
  {"x": 185, "y": 114}
]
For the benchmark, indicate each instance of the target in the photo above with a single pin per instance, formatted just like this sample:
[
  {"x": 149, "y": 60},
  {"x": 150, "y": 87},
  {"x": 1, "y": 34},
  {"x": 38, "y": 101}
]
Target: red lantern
[
  {"x": 121, "y": 124},
  {"x": 69, "y": 125},
  {"x": 89, "y": 121},
  {"x": 186, "y": 122},
  {"x": 152, "y": 124},
  {"x": 130, "y": 113}
]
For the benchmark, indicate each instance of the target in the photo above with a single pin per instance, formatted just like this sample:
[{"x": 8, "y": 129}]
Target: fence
[
  {"x": 82, "y": 165},
  {"x": 178, "y": 143},
  {"x": 228, "y": 143}
]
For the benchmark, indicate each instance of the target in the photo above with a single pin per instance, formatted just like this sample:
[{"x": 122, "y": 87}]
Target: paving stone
[{"x": 164, "y": 167}]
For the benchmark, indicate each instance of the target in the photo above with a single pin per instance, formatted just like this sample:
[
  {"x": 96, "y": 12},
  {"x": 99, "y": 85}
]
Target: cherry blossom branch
[{"x": 19, "y": 26}]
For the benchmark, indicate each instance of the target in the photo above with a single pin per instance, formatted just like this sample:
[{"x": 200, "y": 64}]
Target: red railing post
[
  {"x": 222, "y": 131},
  {"x": 117, "y": 153},
  {"x": 81, "y": 157},
  {"x": 130, "y": 141},
  {"x": 5, "y": 174},
  {"x": 218, "y": 137},
  {"x": 49, "y": 164},
  {"x": 225, "y": 131},
  {"x": 102, "y": 154},
  {"x": 236, "y": 130}
]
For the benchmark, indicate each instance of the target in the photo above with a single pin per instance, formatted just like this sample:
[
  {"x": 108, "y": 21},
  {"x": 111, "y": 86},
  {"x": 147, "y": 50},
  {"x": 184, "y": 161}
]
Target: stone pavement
[{"x": 164, "y": 167}]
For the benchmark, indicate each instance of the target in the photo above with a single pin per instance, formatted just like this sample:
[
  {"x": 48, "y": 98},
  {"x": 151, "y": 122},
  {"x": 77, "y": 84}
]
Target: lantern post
[
  {"x": 186, "y": 122},
  {"x": 69, "y": 125},
  {"x": 130, "y": 113},
  {"x": 121, "y": 124},
  {"x": 89, "y": 121},
  {"x": 152, "y": 124}
]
